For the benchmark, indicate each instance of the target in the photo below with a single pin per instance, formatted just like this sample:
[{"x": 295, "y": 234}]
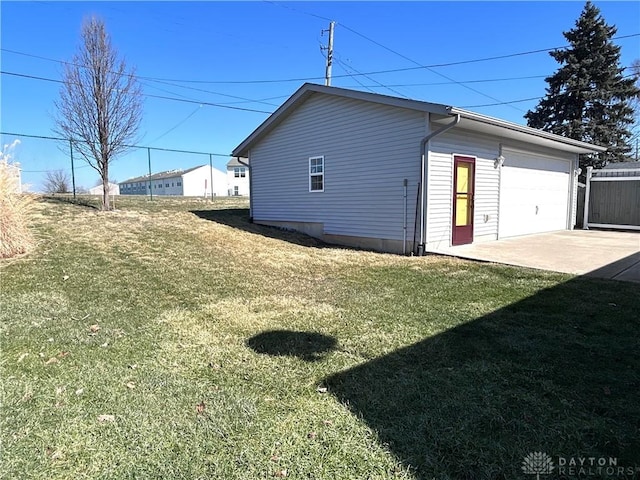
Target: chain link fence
[{"x": 42, "y": 159}]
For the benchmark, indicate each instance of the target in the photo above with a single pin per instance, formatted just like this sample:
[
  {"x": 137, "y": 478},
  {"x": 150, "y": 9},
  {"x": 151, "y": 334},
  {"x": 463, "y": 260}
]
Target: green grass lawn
[{"x": 174, "y": 339}]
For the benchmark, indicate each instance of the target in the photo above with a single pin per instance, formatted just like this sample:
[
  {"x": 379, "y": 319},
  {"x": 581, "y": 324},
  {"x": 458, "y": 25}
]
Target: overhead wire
[
  {"x": 303, "y": 79},
  {"x": 197, "y": 109},
  {"x": 345, "y": 68},
  {"x": 138, "y": 77},
  {"x": 45, "y": 137},
  {"x": 262, "y": 111},
  {"x": 219, "y": 105},
  {"x": 351, "y": 67},
  {"x": 429, "y": 68}
]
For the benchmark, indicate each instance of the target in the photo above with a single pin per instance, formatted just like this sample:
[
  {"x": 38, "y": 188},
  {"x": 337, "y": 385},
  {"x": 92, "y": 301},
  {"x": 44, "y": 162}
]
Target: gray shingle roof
[
  {"x": 616, "y": 165},
  {"x": 235, "y": 163}
]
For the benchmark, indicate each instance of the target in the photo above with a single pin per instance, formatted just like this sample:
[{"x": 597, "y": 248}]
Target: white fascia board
[{"x": 574, "y": 146}]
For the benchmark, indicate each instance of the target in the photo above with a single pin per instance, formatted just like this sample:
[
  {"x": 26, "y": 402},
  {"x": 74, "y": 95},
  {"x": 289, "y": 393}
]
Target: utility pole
[
  {"x": 329, "y": 49},
  {"x": 149, "y": 157},
  {"x": 73, "y": 172}
]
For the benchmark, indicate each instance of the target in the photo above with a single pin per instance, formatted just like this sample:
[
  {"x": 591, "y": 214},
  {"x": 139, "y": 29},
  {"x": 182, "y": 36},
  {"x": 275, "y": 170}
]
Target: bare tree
[
  {"x": 56, "y": 181},
  {"x": 100, "y": 105}
]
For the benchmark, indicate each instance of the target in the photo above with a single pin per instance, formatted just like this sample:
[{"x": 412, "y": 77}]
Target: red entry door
[{"x": 463, "y": 187}]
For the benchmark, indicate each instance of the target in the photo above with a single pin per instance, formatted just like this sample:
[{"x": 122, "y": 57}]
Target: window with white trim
[{"x": 316, "y": 174}]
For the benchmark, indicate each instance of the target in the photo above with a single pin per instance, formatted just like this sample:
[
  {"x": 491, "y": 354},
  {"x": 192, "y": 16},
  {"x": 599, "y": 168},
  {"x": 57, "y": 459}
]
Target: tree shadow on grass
[
  {"x": 239, "y": 218},
  {"x": 308, "y": 346},
  {"x": 68, "y": 199},
  {"x": 546, "y": 374}
]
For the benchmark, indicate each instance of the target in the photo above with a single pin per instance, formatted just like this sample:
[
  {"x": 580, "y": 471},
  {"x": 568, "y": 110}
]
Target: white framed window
[
  {"x": 235, "y": 191},
  {"x": 239, "y": 172},
  {"x": 316, "y": 174}
]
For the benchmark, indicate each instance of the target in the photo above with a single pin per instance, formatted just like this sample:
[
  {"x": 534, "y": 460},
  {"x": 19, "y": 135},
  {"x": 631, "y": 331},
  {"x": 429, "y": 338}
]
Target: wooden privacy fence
[{"x": 612, "y": 198}]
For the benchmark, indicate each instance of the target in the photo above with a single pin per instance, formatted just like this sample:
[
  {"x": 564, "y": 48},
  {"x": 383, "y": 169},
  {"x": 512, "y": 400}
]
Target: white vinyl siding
[
  {"x": 440, "y": 185},
  {"x": 197, "y": 183},
  {"x": 238, "y": 181},
  {"x": 496, "y": 216},
  {"x": 369, "y": 149}
]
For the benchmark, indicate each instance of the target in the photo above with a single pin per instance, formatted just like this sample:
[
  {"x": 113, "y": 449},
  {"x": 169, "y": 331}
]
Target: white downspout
[
  {"x": 423, "y": 180},
  {"x": 248, "y": 165},
  {"x": 404, "y": 216}
]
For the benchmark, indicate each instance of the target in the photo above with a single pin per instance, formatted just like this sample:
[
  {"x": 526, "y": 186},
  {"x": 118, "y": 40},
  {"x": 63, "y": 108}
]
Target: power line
[
  {"x": 305, "y": 79},
  {"x": 346, "y": 68},
  {"x": 197, "y": 109},
  {"x": 261, "y": 111},
  {"x": 501, "y": 103},
  {"x": 210, "y": 104},
  {"x": 44, "y": 137},
  {"x": 428, "y": 68},
  {"x": 486, "y": 80},
  {"x": 151, "y": 79},
  {"x": 419, "y": 65},
  {"x": 530, "y": 99}
]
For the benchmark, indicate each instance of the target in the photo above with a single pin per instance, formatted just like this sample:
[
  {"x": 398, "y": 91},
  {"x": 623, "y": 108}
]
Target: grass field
[{"x": 174, "y": 339}]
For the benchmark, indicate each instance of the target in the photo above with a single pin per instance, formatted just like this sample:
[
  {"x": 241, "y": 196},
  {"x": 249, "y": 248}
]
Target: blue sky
[{"x": 246, "y": 56}]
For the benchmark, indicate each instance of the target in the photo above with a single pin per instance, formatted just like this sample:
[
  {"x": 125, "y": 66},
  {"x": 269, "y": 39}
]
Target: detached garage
[
  {"x": 406, "y": 176},
  {"x": 535, "y": 194}
]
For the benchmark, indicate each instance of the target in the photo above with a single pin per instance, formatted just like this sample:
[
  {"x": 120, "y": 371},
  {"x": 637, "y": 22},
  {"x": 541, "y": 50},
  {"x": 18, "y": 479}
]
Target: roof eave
[
  {"x": 306, "y": 90},
  {"x": 577, "y": 146}
]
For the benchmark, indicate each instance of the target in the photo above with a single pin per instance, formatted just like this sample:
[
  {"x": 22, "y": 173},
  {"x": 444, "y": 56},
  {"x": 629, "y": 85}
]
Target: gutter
[
  {"x": 587, "y": 147},
  {"x": 250, "y": 187},
  {"x": 423, "y": 179}
]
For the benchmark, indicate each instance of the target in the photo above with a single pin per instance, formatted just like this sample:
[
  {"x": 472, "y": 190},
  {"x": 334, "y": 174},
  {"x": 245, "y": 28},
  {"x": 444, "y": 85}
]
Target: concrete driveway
[{"x": 602, "y": 254}]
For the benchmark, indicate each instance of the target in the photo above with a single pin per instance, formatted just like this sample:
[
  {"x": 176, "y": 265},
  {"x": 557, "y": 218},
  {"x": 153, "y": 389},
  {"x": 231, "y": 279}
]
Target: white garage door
[{"x": 534, "y": 194}]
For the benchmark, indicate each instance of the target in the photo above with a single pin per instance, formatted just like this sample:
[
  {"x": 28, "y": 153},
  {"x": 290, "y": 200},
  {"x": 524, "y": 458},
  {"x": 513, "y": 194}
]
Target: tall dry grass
[{"x": 15, "y": 237}]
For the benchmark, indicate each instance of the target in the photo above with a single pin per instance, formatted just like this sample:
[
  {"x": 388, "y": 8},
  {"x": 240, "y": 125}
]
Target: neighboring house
[
  {"x": 114, "y": 189},
  {"x": 349, "y": 167},
  {"x": 238, "y": 177},
  {"x": 194, "y": 182}
]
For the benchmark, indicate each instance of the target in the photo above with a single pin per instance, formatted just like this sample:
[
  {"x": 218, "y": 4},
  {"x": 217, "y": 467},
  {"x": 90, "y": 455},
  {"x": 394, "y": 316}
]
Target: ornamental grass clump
[{"x": 15, "y": 237}]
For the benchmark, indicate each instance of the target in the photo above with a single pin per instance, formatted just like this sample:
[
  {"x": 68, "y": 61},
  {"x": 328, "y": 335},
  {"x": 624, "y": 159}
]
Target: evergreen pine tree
[{"x": 589, "y": 97}]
